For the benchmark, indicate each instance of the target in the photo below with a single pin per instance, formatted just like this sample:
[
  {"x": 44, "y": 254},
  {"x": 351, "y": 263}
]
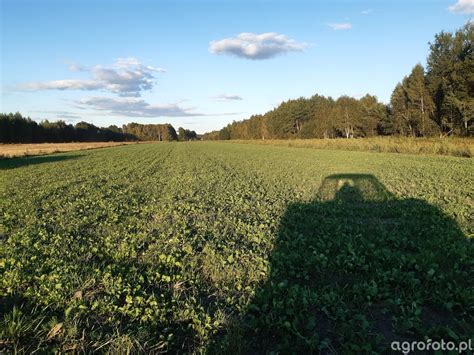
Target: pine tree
[
  {"x": 450, "y": 76},
  {"x": 419, "y": 102}
]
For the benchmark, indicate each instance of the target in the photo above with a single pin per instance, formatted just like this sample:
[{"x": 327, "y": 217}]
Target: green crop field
[{"x": 238, "y": 248}]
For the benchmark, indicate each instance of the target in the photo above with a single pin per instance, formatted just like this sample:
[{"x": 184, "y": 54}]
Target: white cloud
[
  {"x": 67, "y": 115},
  {"x": 128, "y": 62},
  {"x": 74, "y": 67},
  {"x": 132, "y": 107},
  {"x": 366, "y": 12},
  {"x": 256, "y": 46},
  {"x": 462, "y": 7},
  {"x": 340, "y": 26},
  {"x": 63, "y": 85},
  {"x": 127, "y": 77},
  {"x": 227, "y": 97}
]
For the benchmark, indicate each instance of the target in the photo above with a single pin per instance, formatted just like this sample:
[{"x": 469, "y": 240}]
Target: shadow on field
[
  {"x": 354, "y": 270},
  {"x": 12, "y": 163}
]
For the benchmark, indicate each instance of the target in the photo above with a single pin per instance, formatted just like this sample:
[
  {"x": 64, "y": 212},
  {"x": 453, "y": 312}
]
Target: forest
[
  {"x": 14, "y": 128},
  {"x": 434, "y": 101}
]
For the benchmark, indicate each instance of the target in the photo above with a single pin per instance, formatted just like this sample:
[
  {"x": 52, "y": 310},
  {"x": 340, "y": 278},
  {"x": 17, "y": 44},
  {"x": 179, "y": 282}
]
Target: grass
[
  {"x": 217, "y": 247},
  {"x": 19, "y": 150},
  {"x": 454, "y": 146}
]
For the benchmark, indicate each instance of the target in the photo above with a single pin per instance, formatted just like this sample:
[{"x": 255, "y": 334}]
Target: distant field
[
  {"x": 17, "y": 150},
  {"x": 238, "y": 248},
  {"x": 455, "y": 146}
]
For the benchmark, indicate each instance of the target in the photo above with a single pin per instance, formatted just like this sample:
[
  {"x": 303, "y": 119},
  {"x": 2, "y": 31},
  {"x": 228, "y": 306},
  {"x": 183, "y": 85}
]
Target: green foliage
[
  {"x": 316, "y": 117},
  {"x": 14, "y": 128},
  {"x": 413, "y": 107},
  {"x": 186, "y": 135},
  {"x": 206, "y": 246},
  {"x": 151, "y": 132},
  {"x": 450, "y": 79}
]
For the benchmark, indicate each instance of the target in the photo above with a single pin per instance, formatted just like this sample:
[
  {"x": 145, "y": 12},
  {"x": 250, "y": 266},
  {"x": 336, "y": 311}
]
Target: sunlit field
[
  {"x": 454, "y": 146},
  {"x": 221, "y": 247},
  {"x": 18, "y": 150}
]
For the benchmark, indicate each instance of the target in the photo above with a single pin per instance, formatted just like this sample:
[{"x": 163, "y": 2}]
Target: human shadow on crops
[
  {"x": 17, "y": 162},
  {"x": 354, "y": 270}
]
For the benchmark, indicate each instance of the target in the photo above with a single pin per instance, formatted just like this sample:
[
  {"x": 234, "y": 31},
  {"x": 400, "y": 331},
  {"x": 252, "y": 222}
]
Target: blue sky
[{"x": 203, "y": 64}]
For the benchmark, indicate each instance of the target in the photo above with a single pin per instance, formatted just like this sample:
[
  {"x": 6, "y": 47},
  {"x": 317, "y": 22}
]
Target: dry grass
[
  {"x": 19, "y": 150},
  {"x": 460, "y": 147}
]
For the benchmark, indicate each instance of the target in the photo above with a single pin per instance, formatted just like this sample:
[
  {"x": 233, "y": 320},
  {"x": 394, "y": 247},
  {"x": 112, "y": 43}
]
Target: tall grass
[
  {"x": 31, "y": 149},
  {"x": 459, "y": 147}
]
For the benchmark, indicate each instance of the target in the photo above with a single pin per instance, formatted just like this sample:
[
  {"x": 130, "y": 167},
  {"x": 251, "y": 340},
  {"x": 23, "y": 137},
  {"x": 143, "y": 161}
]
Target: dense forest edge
[
  {"x": 14, "y": 128},
  {"x": 436, "y": 101}
]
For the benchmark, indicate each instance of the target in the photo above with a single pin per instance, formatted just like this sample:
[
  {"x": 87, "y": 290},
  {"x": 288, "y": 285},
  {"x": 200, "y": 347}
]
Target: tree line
[
  {"x": 438, "y": 100},
  {"x": 151, "y": 132},
  {"x": 14, "y": 128},
  {"x": 158, "y": 132}
]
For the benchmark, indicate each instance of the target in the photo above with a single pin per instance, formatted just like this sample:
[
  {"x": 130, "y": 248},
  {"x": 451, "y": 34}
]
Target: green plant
[{"x": 209, "y": 246}]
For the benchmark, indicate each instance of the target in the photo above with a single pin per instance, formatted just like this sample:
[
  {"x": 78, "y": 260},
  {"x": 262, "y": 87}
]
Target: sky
[{"x": 202, "y": 64}]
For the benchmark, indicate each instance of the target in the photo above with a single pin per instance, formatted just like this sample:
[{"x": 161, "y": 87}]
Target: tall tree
[
  {"x": 412, "y": 105},
  {"x": 401, "y": 114},
  {"x": 420, "y": 102},
  {"x": 450, "y": 76},
  {"x": 373, "y": 114},
  {"x": 181, "y": 134}
]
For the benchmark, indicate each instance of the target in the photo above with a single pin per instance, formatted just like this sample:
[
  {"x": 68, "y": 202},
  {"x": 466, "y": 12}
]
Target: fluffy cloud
[
  {"x": 340, "y": 26},
  {"x": 227, "y": 97},
  {"x": 127, "y": 77},
  {"x": 132, "y": 107},
  {"x": 463, "y": 7},
  {"x": 256, "y": 46}
]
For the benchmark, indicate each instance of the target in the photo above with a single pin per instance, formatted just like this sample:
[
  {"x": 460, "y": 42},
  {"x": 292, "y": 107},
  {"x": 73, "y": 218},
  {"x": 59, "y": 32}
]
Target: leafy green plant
[{"x": 212, "y": 247}]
